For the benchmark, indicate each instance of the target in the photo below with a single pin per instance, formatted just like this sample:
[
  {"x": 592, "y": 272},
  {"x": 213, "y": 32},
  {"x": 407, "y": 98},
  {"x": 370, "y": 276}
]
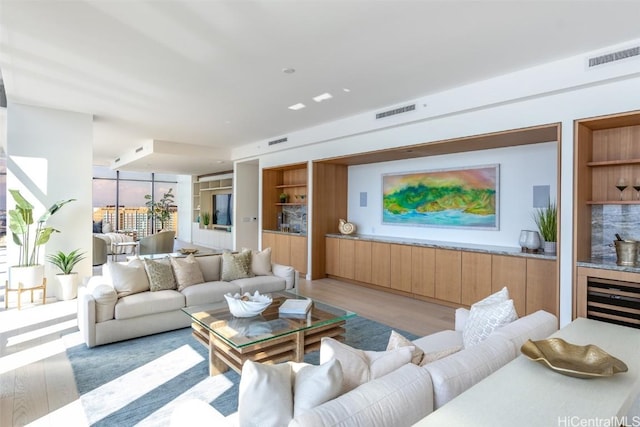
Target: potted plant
[
  {"x": 284, "y": 197},
  {"x": 28, "y": 272},
  {"x": 160, "y": 211},
  {"x": 547, "y": 221},
  {"x": 206, "y": 219},
  {"x": 68, "y": 279}
]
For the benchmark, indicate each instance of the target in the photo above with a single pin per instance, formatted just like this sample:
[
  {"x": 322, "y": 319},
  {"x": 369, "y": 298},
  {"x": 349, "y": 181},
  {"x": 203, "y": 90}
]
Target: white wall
[
  {"x": 185, "y": 207},
  {"x": 49, "y": 158},
  {"x": 245, "y": 198},
  {"x": 520, "y": 169}
]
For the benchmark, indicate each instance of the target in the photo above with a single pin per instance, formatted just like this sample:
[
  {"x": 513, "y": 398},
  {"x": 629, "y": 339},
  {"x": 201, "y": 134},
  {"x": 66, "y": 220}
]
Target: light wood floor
[{"x": 36, "y": 379}]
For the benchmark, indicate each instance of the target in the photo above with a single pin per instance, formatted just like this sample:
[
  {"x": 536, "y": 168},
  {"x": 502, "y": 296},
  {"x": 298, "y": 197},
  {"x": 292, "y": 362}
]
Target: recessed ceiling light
[
  {"x": 322, "y": 97},
  {"x": 288, "y": 70},
  {"x": 344, "y": 89},
  {"x": 298, "y": 106}
]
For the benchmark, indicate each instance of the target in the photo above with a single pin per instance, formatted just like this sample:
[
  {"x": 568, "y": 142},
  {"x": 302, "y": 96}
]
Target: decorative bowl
[
  {"x": 580, "y": 361},
  {"x": 187, "y": 251},
  {"x": 247, "y": 305}
]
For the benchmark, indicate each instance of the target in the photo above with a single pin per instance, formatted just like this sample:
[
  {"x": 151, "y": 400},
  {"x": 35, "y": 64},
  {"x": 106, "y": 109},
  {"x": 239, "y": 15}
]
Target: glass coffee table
[{"x": 267, "y": 338}]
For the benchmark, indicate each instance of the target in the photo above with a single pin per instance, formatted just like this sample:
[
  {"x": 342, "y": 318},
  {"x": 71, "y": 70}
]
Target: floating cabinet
[
  {"x": 475, "y": 277},
  {"x": 287, "y": 249},
  {"x": 423, "y": 266},
  {"x": 363, "y": 261},
  {"x": 380, "y": 265},
  {"x": 511, "y": 272},
  {"x": 400, "y": 260},
  {"x": 448, "y": 275},
  {"x": 542, "y": 286},
  {"x": 346, "y": 266},
  {"x": 298, "y": 247}
]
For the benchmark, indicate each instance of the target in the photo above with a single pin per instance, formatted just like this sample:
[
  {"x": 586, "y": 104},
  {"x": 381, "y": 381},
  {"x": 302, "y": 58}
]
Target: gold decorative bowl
[
  {"x": 580, "y": 361},
  {"x": 188, "y": 251}
]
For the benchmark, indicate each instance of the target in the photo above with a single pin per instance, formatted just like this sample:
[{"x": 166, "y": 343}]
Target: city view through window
[{"x": 119, "y": 201}]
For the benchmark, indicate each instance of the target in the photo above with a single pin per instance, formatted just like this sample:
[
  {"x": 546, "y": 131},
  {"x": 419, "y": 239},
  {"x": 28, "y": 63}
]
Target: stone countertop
[
  {"x": 289, "y": 233},
  {"x": 608, "y": 264},
  {"x": 471, "y": 247}
]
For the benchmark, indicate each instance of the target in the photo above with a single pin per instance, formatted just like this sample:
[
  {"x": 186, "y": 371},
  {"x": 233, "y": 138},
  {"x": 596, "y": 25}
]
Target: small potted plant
[
  {"x": 547, "y": 221},
  {"x": 284, "y": 197},
  {"x": 206, "y": 219},
  {"x": 68, "y": 279}
]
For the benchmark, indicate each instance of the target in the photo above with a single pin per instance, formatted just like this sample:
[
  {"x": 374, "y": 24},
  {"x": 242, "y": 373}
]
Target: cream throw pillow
[
  {"x": 485, "y": 318},
  {"x": 314, "y": 385},
  {"x": 130, "y": 278},
  {"x": 261, "y": 262},
  {"x": 236, "y": 266},
  {"x": 187, "y": 271},
  {"x": 361, "y": 366},
  {"x": 265, "y": 396},
  {"x": 160, "y": 275},
  {"x": 437, "y": 355},
  {"x": 397, "y": 340}
]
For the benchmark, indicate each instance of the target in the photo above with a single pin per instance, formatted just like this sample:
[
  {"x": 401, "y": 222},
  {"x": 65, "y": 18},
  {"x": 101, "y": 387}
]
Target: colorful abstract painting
[{"x": 443, "y": 198}]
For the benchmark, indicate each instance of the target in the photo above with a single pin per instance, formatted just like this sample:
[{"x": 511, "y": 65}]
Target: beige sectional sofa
[
  {"x": 411, "y": 392},
  {"x": 104, "y": 316}
]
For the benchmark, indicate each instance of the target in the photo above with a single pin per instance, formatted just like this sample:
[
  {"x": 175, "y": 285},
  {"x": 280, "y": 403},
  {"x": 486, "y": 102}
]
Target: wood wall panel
[
  {"x": 400, "y": 256},
  {"x": 281, "y": 253},
  {"x": 423, "y": 266},
  {"x": 329, "y": 205},
  {"x": 381, "y": 264},
  {"x": 448, "y": 275},
  {"x": 511, "y": 272},
  {"x": 269, "y": 241},
  {"x": 363, "y": 261},
  {"x": 475, "y": 277}
]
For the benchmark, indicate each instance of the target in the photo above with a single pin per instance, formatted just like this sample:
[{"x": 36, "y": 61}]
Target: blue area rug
[{"x": 138, "y": 382}]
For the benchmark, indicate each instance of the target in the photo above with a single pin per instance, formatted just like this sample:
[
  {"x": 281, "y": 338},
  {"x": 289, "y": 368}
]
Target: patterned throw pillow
[
  {"x": 485, "y": 318},
  {"x": 236, "y": 266},
  {"x": 187, "y": 271},
  {"x": 160, "y": 275}
]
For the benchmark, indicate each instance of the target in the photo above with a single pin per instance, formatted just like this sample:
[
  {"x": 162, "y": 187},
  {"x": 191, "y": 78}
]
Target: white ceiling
[{"x": 210, "y": 72}]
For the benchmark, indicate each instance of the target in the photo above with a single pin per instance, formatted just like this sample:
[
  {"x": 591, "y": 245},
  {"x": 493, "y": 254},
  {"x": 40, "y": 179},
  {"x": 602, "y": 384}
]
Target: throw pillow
[
  {"x": 261, "y": 262},
  {"x": 361, "y": 366},
  {"x": 160, "y": 275},
  {"x": 106, "y": 298},
  {"x": 396, "y": 340},
  {"x": 314, "y": 385},
  {"x": 500, "y": 296},
  {"x": 484, "y": 319},
  {"x": 97, "y": 226},
  {"x": 129, "y": 278},
  {"x": 106, "y": 228},
  {"x": 265, "y": 396},
  {"x": 187, "y": 271},
  {"x": 437, "y": 355},
  {"x": 236, "y": 266}
]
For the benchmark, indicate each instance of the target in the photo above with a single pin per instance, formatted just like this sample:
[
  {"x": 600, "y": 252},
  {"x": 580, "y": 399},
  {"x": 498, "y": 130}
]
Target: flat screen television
[{"x": 222, "y": 205}]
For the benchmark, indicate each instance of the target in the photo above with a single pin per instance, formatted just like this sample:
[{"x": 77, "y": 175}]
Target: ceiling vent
[
  {"x": 117, "y": 160},
  {"x": 614, "y": 56},
  {"x": 139, "y": 149},
  {"x": 278, "y": 141},
  {"x": 395, "y": 111}
]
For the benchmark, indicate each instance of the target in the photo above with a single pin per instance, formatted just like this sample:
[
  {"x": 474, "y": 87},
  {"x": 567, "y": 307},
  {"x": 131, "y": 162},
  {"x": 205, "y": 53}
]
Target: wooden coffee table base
[{"x": 290, "y": 347}]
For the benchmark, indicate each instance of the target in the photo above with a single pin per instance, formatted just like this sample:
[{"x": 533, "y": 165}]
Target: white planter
[
  {"x": 26, "y": 277},
  {"x": 69, "y": 285},
  {"x": 549, "y": 247}
]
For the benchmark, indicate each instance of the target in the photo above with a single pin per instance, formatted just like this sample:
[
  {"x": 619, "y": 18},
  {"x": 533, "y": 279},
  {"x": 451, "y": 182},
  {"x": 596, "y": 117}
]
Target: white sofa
[
  {"x": 104, "y": 318},
  {"x": 408, "y": 394}
]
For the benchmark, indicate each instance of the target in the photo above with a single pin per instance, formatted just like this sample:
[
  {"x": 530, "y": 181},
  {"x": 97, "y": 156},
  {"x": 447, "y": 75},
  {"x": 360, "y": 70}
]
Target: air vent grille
[
  {"x": 614, "y": 56},
  {"x": 117, "y": 160},
  {"x": 139, "y": 149},
  {"x": 278, "y": 141},
  {"x": 395, "y": 111}
]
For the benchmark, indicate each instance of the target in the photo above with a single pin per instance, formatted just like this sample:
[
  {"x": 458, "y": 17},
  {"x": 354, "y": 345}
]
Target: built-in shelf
[
  {"x": 614, "y": 163},
  {"x": 226, "y": 187},
  {"x": 291, "y": 204},
  {"x": 290, "y": 185}
]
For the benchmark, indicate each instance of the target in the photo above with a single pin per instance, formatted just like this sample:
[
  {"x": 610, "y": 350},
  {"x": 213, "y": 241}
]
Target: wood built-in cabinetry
[
  {"x": 606, "y": 151},
  {"x": 457, "y": 277},
  {"x": 284, "y": 223}
]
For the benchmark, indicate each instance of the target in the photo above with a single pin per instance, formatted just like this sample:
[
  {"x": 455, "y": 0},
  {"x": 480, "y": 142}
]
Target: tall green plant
[
  {"x": 66, "y": 262},
  {"x": 20, "y": 221},
  {"x": 160, "y": 210},
  {"x": 206, "y": 218},
  {"x": 547, "y": 221}
]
